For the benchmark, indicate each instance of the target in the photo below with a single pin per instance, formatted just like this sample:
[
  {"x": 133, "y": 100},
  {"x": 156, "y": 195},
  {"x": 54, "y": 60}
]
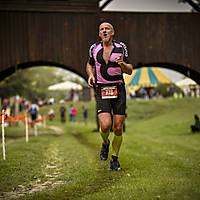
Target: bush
[{"x": 164, "y": 89}]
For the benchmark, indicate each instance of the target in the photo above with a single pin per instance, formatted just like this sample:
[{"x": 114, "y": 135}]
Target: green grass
[{"x": 159, "y": 155}]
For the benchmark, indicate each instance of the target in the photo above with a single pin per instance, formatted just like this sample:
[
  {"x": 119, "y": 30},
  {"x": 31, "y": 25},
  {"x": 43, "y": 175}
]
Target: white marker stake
[
  {"x": 44, "y": 123},
  {"x": 35, "y": 129},
  {"x": 3, "y": 137},
  {"x": 26, "y": 124}
]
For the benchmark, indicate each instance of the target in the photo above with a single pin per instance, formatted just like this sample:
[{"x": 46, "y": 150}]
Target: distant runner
[{"x": 33, "y": 110}]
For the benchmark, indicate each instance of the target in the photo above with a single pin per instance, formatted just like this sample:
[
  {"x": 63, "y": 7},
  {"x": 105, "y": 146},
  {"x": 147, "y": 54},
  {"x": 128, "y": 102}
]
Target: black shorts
[
  {"x": 33, "y": 117},
  {"x": 116, "y": 105}
]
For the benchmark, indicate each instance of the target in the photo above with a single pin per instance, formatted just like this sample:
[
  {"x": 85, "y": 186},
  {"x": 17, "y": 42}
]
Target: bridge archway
[
  {"x": 65, "y": 37},
  {"x": 189, "y": 72}
]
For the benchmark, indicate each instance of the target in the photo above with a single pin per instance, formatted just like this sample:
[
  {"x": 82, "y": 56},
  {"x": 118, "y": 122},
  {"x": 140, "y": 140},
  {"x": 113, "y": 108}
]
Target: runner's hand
[
  {"x": 119, "y": 60},
  {"x": 91, "y": 80}
]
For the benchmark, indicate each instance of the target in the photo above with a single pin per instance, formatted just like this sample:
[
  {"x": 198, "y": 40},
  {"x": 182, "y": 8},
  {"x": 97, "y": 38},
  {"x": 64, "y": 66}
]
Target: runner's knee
[
  {"x": 118, "y": 129},
  {"x": 105, "y": 127},
  {"x": 105, "y": 122}
]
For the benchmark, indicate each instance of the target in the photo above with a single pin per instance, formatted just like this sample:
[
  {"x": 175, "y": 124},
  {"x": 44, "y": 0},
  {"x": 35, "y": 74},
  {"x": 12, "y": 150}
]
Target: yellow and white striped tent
[{"x": 145, "y": 77}]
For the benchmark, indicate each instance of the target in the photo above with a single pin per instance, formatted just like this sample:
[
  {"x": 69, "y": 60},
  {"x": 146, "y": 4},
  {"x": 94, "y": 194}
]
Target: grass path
[{"x": 160, "y": 158}]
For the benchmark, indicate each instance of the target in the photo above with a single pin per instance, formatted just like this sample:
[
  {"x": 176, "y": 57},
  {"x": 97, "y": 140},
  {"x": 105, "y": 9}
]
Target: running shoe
[
  {"x": 114, "y": 163},
  {"x": 104, "y": 151}
]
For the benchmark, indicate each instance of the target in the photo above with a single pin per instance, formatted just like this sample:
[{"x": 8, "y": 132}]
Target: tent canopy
[
  {"x": 145, "y": 77},
  {"x": 185, "y": 82},
  {"x": 67, "y": 85}
]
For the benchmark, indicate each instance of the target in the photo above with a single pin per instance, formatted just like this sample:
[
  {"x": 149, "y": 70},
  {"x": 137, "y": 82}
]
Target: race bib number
[{"x": 109, "y": 92}]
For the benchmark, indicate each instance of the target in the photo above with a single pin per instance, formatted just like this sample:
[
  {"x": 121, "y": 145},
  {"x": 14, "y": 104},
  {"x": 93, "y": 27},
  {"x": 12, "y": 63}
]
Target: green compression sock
[
  {"x": 116, "y": 144},
  {"x": 104, "y": 135}
]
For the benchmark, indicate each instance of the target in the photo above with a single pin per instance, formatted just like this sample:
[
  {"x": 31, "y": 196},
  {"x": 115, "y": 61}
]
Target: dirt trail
[
  {"x": 51, "y": 169},
  {"x": 58, "y": 131}
]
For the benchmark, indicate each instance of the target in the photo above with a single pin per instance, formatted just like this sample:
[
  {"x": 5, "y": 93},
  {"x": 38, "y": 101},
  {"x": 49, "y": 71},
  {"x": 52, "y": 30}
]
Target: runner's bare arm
[
  {"x": 126, "y": 68},
  {"x": 90, "y": 72}
]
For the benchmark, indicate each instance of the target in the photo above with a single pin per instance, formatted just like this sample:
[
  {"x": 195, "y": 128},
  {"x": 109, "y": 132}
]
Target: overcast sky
[
  {"x": 150, "y": 6},
  {"x": 147, "y": 6}
]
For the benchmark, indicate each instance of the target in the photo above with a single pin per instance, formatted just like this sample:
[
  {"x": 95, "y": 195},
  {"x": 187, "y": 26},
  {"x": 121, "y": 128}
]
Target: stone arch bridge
[{"x": 59, "y": 33}]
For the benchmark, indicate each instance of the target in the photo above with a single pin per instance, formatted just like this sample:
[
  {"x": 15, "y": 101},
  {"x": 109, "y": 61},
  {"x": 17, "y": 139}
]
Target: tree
[
  {"x": 29, "y": 82},
  {"x": 35, "y": 82},
  {"x": 163, "y": 89}
]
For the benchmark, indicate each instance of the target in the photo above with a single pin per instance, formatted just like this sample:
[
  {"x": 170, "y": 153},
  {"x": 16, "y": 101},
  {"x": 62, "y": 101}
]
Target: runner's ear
[{"x": 113, "y": 32}]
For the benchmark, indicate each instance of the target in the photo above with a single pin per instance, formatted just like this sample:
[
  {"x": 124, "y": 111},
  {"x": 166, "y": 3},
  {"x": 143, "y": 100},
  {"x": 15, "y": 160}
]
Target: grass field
[{"x": 159, "y": 155}]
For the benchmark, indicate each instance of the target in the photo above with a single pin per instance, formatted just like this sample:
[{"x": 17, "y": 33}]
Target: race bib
[{"x": 109, "y": 92}]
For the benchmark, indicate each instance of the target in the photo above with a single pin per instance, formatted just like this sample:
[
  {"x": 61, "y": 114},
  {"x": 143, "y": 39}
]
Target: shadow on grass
[
  {"x": 189, "y": 134},
  {"x": 31, "y": 134},
  {"x": 104, "y": 177},
  {"x": 83, "y": 141}
]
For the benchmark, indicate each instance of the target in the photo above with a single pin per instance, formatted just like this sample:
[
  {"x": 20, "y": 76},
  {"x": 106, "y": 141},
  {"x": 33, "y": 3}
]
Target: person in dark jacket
[{"x": 196, "y": 126}]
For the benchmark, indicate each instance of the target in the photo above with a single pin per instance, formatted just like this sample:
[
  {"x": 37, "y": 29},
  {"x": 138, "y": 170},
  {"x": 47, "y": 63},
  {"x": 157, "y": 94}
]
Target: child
[{"x": 51, "y": 114}]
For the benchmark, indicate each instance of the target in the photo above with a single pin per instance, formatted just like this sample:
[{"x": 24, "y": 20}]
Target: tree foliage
[
  {"x": 163, "y": 89},
  {"x": 30, "y": 82}
]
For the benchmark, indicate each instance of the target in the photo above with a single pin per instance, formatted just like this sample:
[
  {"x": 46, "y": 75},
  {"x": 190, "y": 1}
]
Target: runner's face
[{"x": 106, "y": 32}]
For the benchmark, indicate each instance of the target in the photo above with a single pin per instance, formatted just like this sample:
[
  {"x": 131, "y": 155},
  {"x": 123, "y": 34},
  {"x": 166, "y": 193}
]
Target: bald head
[{"x": 106, "y": 24}]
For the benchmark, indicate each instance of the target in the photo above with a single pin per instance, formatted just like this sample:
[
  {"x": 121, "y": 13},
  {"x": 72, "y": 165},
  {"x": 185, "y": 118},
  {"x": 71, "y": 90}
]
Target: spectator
[
  {"x": 85, "y": 114},
  {"x": 51, "y": 101},
  {"x": 62, "y": 113},
  {"x": 72, "y": 94},
  {"x": 196, "y": 126},
  {"x": 51, "y": 114},
  {"x": 70, "y": 113},
  {"x": 5, "y": 104},
  {"x": 21, "y": 107},
  {"x": 36, "y": 99},
  {"x": 74, "y": 113},
  {"x": 132, "y": 93},
  {"x": 171, "y": 90}
]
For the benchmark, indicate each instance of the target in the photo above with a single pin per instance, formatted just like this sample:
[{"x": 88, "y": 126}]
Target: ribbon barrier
[
  {"x": 7, "y": 118},
  {"x": 4, "y": 118},
  {"x": 22, "y": 118}
]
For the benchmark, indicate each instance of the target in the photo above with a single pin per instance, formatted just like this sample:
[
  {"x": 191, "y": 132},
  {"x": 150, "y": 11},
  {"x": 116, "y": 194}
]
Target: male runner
[{"x": 108, "y": 60}]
